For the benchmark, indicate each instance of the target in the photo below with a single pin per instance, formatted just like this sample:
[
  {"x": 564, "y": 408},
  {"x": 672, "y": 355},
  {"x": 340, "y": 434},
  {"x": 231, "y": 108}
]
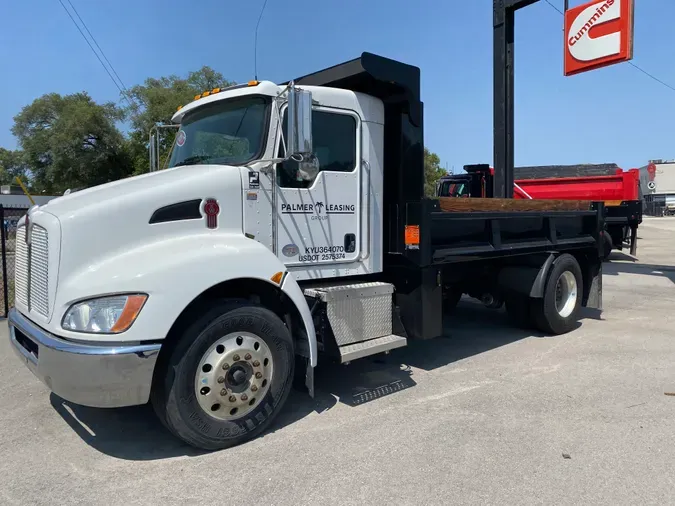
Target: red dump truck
[{"x": 618, "y": 189}]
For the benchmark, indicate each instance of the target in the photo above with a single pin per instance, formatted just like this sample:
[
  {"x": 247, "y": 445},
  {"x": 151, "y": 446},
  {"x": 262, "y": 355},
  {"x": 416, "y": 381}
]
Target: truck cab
[{"x": 320, "y": 221}]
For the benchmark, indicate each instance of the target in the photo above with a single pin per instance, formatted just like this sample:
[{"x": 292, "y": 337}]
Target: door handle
[{"x": 350, "y": 243}]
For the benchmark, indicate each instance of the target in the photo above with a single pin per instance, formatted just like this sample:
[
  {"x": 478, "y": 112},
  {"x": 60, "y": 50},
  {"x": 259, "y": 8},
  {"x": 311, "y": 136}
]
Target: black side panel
[
  {"x": 419, "y": 297},
  {"x": 188, "y": 210},
  {"x": 629, "y": 212}
]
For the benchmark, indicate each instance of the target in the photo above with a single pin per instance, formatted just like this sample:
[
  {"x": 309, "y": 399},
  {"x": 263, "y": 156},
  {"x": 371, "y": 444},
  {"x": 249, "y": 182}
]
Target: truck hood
[
  {"x": 124, "y": 191},
  {"x": 102, "y": 222}
]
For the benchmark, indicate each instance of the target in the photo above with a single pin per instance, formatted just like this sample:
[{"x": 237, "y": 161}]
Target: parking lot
[{"x": 483, "y": 415}]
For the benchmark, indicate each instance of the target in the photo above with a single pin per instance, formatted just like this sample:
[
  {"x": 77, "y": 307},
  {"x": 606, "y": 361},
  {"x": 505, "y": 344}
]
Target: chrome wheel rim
[
  {"x": 233, "y": 376},
  {"x": 566, "y": 294}
]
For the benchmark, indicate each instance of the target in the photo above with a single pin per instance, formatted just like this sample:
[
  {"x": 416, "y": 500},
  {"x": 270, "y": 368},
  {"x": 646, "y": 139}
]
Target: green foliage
[
  {"x": 155, "y": 102},
  {"x": 71, "y": 142},
  {"x": 13, "y": 164},
  {"x": 432, "y": 172}
]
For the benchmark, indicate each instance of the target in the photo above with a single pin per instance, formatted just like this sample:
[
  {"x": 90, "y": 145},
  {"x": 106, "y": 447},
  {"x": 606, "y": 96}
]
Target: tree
[
  {"x": 71, "y": 142},
  {"x": 155, "y": 101},
  {"x": 432, "y": 172},
  {"x": 13, "y": 164}
]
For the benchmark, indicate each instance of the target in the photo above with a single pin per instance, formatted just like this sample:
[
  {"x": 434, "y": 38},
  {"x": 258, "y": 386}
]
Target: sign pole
[{"x": 503, "y": 28}]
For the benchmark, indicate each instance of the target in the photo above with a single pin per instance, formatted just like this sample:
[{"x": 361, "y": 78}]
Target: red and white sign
[{"x": 598, "y": 33}]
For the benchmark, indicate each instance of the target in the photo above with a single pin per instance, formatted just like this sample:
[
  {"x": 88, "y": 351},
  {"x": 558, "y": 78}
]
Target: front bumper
[{"x": 101, "y": 376}]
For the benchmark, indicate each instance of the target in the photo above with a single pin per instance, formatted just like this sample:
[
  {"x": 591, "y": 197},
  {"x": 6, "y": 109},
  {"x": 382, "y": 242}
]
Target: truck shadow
[
  {"x": 470, "y": 330},
  {"x": 617, "y": 255},
  {"x": 617, "y": 268},
  {"x": 135, "y": 433}
]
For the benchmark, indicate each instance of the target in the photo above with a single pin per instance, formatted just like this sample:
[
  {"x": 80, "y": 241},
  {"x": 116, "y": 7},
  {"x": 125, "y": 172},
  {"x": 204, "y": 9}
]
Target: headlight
[{"x": 104, "y": 315}]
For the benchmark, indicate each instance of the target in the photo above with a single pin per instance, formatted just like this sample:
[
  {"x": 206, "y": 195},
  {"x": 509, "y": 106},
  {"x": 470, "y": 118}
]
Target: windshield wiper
[{"x": 193, "y": 160}]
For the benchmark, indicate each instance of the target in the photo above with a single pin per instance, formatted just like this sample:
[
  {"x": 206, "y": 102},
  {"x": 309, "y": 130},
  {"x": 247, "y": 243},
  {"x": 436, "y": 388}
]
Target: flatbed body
[{"x": 618, "y": 189}]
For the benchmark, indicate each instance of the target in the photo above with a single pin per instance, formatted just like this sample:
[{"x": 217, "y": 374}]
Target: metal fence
[
  {"x": 9, "y": 217},
  {"x": 655, "y": 205}
]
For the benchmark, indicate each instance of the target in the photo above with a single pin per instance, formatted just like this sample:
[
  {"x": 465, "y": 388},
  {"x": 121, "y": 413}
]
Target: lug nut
[
  {"x": 247, "y": 356},
  {"x": 223, "y": 392},
  {"x": 254, "y": 388},
  {"x": 235, "y": 358},
  {"x": 258, "y": 375},
  {"x": 226, "y": 366},
  {"x": 221, "y": 379},
  {"x": 244, "y": 397},
  {"x": 256, "y": 363},
  {"x": 233, "y": 398}
]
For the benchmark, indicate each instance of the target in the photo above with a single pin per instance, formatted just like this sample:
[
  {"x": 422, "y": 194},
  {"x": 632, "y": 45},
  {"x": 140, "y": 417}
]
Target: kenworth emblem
[{"x": 211, "y": 209}]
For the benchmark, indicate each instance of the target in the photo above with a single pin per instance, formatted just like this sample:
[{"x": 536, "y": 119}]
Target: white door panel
[
  {"x": 320, "y": 224},
  {"x": 322, "y": 221}
]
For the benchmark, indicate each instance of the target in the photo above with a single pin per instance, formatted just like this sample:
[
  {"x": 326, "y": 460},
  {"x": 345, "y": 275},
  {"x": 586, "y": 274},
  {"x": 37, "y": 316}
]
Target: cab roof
[{"x": 266, "y": 88}]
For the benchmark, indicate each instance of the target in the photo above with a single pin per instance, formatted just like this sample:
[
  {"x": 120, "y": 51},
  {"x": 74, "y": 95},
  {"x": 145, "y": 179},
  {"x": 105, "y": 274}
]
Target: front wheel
[
  {"x": 558, "y": 311},
  {"x": 227, "y": 378}
]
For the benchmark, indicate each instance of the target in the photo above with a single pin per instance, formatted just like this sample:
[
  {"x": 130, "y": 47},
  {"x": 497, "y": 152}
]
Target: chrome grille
[
  {"x": 21, "y": 267},
  {"x": 39, "y": 270}
]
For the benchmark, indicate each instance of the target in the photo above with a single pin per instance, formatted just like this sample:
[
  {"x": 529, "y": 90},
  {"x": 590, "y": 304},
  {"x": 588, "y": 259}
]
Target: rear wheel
[
  {"x": 607, "y": 245},
  {"x": 558, "y": 311},
  {"x": 227, "y": 378}
]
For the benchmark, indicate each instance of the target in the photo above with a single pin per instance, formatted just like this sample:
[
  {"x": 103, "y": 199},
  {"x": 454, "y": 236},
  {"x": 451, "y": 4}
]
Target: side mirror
[
  {"x": 153, "y": 152},
  {"x": 299, "y": 123}
]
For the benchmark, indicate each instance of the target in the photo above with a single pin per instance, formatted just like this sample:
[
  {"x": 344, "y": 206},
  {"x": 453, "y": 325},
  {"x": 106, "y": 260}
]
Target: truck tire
[
  {"x": 607, "y": 245},
  {"x": 558, "y": 311},
  {"x": 518, "y": 309},
  {"x": 227, "y": 378}
]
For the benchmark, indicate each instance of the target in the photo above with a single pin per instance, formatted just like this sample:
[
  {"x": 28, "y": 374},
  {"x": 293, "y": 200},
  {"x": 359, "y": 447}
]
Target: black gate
[{"x": 8, "y": 218}]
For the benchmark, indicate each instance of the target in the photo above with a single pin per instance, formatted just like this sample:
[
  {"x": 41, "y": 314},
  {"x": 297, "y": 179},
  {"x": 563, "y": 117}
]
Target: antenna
[{"x": 255, "y": 50}]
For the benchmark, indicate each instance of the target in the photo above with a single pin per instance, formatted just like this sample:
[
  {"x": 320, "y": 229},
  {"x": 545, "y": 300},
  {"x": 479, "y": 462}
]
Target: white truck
[{"x": 290, "y": 228}]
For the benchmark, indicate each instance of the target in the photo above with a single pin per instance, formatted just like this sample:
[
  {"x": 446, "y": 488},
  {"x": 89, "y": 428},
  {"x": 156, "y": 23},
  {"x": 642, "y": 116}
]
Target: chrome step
[{"x": 355, "y": 351}]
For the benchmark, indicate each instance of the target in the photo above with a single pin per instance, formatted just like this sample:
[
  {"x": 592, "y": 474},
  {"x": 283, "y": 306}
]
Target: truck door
[{"x": 318, "y": 221}]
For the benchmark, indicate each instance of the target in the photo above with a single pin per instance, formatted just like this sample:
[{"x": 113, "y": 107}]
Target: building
[{"x": 657, "y": 183}]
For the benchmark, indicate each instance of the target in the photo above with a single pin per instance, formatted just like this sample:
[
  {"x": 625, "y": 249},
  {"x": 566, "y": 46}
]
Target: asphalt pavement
[{"x": 486, "y": 415}]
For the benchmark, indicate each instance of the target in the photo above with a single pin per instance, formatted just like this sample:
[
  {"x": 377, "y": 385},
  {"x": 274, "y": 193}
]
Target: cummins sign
[{"x": 597, "y": 34}]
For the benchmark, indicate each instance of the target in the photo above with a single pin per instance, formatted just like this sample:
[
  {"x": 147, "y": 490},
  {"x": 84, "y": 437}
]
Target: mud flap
[
  {"x": 309, "y": 379},
  {"x": 303, "y": 379},
  {"x": 633, "y": 240},
  {"x": 593, "y": 297}
]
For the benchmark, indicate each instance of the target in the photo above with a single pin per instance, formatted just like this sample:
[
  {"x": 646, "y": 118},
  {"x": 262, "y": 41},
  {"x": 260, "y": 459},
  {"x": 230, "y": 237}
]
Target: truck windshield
[{"x": 229, "y": 132}]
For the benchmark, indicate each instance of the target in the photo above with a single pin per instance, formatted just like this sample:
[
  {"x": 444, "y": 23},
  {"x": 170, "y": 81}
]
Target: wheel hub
[
  {"x": 238, "y": 377},
  {"x": 233, "y": 376},
  {"x": 566, "y": 294}
]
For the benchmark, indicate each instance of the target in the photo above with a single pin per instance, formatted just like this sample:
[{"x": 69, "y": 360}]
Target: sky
[{"x": 615, "y": 114}]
